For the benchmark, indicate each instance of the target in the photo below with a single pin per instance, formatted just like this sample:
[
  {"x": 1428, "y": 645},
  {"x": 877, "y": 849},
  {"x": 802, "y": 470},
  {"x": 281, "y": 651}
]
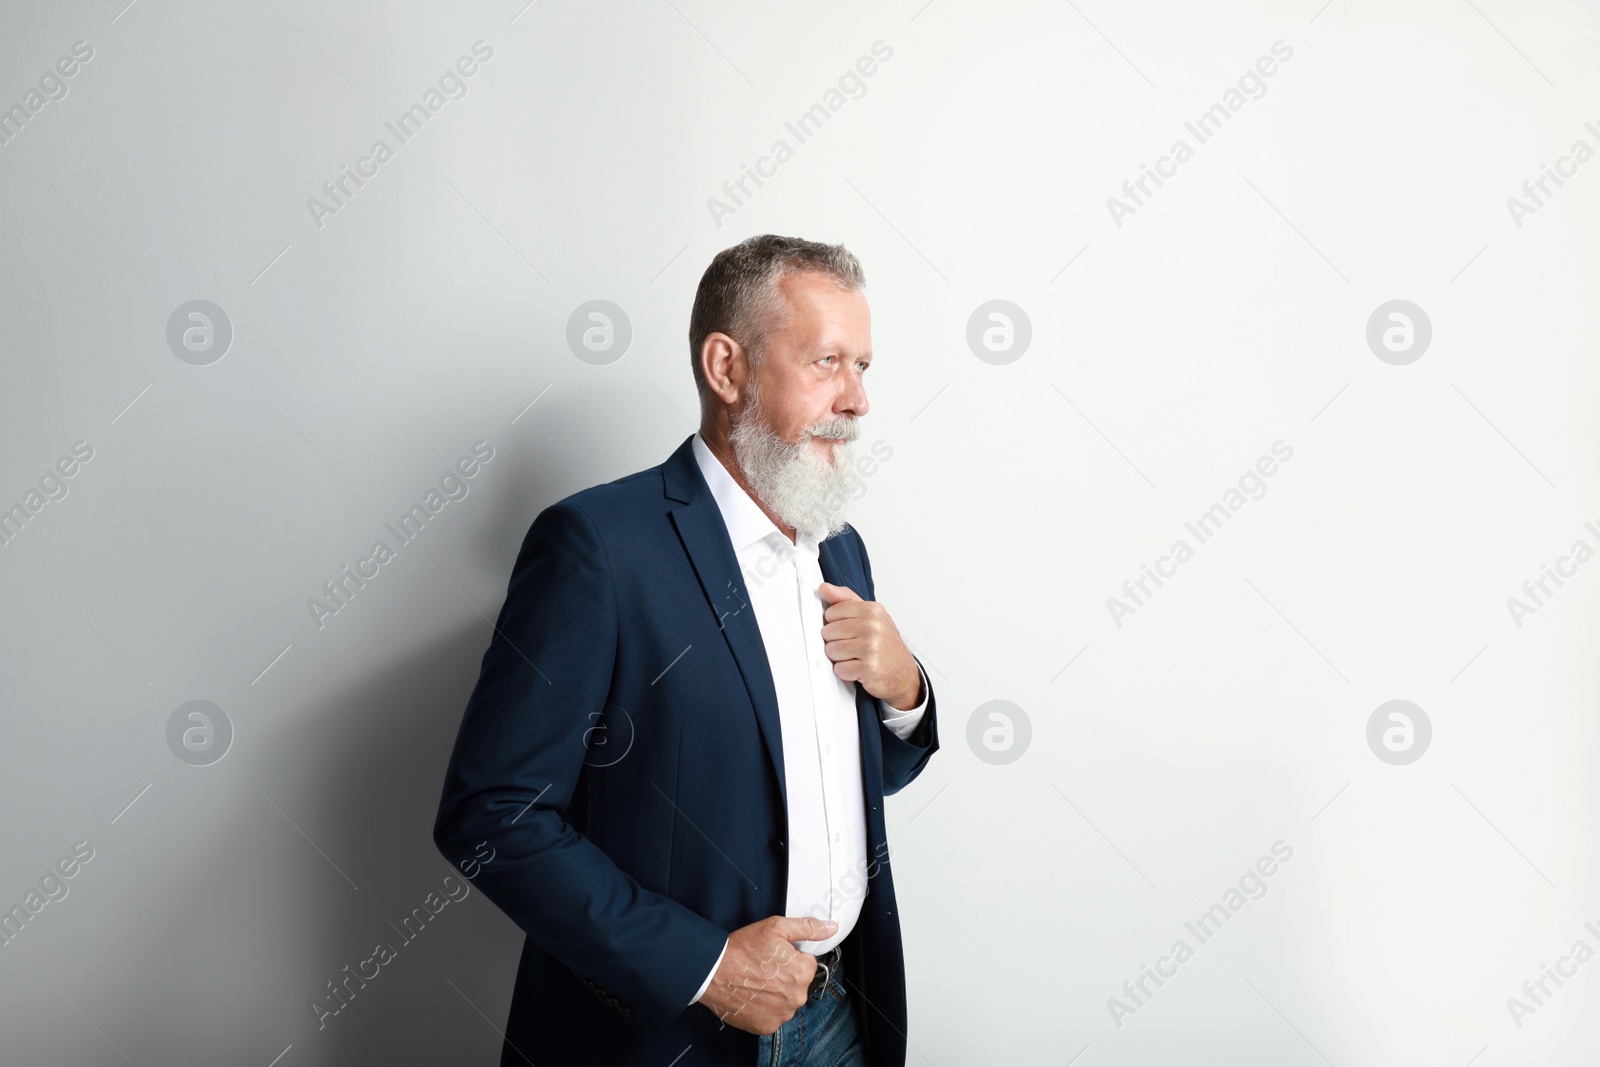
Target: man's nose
[{"x": 854, "y": 399}]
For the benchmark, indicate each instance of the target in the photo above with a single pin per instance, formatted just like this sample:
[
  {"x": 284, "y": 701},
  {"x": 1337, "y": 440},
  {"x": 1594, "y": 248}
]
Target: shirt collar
[{"x": 747, "y": 524}]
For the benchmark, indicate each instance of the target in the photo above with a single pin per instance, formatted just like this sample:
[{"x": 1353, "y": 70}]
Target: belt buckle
[{"x": 826, "y": 972}]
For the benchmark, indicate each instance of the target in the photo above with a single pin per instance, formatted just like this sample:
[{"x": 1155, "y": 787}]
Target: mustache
[{"x": 837, "y": 429}]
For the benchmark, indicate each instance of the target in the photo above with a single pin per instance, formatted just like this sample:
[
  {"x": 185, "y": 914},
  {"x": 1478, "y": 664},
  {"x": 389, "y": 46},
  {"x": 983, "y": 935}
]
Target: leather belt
[{"x": 827, "y": 966}]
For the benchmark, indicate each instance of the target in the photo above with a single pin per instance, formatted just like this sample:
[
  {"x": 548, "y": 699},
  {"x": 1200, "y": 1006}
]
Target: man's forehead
[
  {"x": 832, "y": 337},
  {"x": 836, "y": 323},
  {"x": 816, "y": 285}
]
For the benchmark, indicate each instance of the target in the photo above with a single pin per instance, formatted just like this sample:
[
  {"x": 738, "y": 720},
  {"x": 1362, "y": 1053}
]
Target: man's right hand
[{"x": 763, "y": 979}]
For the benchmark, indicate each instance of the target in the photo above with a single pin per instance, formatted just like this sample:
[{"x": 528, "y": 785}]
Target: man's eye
[{"x": 825, "y": 359}]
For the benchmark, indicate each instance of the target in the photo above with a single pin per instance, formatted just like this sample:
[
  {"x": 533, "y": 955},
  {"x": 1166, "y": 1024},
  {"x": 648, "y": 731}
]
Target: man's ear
[{"x": 722, "y": 360}]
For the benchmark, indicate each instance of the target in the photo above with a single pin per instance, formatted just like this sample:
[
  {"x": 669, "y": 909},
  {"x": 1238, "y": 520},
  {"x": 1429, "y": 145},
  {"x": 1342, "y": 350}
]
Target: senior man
[{"x": 690, "y": 712}]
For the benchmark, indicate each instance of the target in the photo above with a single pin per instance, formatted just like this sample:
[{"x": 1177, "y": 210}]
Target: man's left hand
[{"x": 865, "y": 646}]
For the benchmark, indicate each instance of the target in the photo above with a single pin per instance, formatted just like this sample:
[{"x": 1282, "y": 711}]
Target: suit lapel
[
  {"x": 705, "y": 539},
  {"x": 839, "y": 567}
]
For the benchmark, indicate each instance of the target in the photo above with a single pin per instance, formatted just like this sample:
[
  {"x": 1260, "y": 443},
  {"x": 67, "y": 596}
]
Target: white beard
[{"x": 796, "y": 483}]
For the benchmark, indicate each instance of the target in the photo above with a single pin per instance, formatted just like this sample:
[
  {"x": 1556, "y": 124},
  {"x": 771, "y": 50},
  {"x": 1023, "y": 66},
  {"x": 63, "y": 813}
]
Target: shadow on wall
[
  {"x": 236, "y": 951},
  {"x": 379, "y": 788},
  {"x": 258, "y": 928},
  {"x": 443, "y": 993},
  {"x": 373, "y": 773}
]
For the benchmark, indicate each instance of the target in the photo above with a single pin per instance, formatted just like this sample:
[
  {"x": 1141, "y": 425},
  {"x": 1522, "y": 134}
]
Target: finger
[
  {"x": 847, "y": 611},
  {"x": 833, "y": 594},
  {"x": 847, "y": 648},
  {"x": 804, "y": 928},
  {"x": 846, "y": 626},
  {"x": 850, "y": 670}
]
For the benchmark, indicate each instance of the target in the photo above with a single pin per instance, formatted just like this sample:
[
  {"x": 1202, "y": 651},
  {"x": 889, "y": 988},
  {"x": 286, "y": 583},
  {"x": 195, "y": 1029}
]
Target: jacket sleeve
[
  {"x": 903, "y": 758},
  {"x": 515, "y": 766}
]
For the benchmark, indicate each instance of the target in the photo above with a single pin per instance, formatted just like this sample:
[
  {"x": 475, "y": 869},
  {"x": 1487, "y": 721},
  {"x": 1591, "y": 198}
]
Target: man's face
[
  {"x": 810, "y": 378},
  {"x": 801, "y": 409}
]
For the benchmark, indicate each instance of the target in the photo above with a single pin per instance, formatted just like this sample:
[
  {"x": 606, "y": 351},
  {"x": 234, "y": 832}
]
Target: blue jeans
[{"x": 825, "y": 1032}]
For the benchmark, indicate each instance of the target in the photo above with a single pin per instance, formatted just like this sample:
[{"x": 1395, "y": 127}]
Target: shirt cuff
[
  {"x": 904, "y": 723},
  {"x": 707, "y": 983}
]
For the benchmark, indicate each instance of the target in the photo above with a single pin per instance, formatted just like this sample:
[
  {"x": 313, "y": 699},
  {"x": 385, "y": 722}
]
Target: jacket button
[
  {"x": 777, "y": 844},
  {"x": 625, "y": 1012}
]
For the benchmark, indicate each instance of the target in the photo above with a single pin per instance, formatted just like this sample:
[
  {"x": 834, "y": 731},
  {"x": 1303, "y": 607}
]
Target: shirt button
[
  {"x": 836, "y": 837},
  {"x": 827, "y": 748},
  {"x": 816, "y": 663}
]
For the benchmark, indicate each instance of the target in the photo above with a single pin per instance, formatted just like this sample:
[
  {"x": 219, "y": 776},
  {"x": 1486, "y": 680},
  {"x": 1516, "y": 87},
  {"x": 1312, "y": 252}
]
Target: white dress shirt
[{"x": 827, "y": 831}]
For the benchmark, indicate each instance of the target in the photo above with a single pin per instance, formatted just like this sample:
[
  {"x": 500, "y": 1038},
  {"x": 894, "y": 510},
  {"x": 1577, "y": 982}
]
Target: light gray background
[{"x": 1167, "y": 354}]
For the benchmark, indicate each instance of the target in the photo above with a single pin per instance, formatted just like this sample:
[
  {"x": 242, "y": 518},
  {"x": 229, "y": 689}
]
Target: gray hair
[{"x": 739, "y": 294}]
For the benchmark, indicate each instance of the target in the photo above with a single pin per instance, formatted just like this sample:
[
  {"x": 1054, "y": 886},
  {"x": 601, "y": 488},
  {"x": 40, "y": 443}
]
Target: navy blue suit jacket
[{"x": 620, "y": 764}]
